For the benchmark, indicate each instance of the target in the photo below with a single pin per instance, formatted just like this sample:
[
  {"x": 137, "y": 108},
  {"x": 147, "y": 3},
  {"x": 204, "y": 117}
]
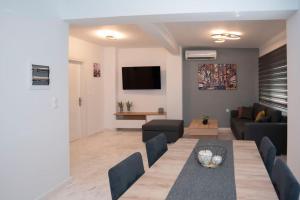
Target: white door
[{"x": 74, "y": 101}]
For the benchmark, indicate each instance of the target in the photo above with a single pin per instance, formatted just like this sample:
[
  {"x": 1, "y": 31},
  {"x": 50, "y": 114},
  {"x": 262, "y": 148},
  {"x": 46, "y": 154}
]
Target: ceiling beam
[{"x": 161, "y": 34}]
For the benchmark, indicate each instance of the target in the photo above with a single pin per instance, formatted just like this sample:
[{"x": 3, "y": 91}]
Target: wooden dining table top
[{"x": 251, "y": 177}]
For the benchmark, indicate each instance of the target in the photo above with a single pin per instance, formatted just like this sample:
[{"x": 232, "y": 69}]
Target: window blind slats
[
  {"x": 274, "y": 100},
  {"x": 274, "y": 74},
  {"x": 273, "y": 95},
  {"x": 281, "y": 68},
  {"x": 273, "y": 79},
  {"x": 276, "y": 79}
]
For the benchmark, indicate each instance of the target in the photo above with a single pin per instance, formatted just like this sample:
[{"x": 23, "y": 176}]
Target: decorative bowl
[{"x": 210, "y": 156}]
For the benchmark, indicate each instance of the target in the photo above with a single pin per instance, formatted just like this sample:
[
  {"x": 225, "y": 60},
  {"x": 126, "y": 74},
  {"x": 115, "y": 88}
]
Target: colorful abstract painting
[{"x": 217, "y": 77}]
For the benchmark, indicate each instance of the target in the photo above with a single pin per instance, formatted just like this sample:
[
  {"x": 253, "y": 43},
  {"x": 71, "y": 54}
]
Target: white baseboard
[{"x": 56, "y": 188}]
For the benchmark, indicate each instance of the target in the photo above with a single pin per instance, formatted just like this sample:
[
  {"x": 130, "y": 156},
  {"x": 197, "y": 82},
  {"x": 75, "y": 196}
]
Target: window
[{"x": 273, "y": 79}]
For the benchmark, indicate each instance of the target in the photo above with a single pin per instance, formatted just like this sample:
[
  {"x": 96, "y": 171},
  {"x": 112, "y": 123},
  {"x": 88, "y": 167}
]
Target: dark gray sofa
[
  {"x": 173, "y": 129},
  {"x": 275, "y": 128}
]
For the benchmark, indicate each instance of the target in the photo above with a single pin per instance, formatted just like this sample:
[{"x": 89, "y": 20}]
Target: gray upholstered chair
[
  {"x": 124, "y": 174},
  {"x": 155, "y": 148},
  {"x": 268, "y": 153},
  {"x": 285, "y": 183}
]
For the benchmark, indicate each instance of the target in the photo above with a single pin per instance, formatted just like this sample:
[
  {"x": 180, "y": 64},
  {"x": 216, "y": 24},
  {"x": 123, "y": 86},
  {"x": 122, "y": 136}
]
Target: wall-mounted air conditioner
[{"x": 200, "y": 54}]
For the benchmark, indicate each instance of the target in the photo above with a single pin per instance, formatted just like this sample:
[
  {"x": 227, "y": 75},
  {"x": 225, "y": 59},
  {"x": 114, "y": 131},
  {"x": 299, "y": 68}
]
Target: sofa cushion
[
  {"x": 283, "y": 119},
  {"x": 257, "y": 108},
  {"x": 245, "y": 113},
  {"x": 163, "y": 125},
  {"x": 240, "y": 111},
  {"x": 275, "y": 115}
]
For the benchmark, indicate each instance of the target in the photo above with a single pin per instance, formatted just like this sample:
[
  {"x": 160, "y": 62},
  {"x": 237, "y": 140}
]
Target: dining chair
[
  {"x": 124, "y": 174},
  {"x": 155, "y": 148},
  {"x": 284, "y": 181},
  {"x": 268, "y": 153}
]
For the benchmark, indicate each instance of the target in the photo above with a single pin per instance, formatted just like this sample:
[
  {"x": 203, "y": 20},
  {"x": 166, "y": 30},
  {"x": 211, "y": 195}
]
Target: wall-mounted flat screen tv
[{"x": 141, "y": 78}]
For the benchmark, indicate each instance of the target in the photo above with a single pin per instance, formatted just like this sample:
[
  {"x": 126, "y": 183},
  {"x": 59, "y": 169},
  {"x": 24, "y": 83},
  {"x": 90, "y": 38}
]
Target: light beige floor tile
[{"x": 93, "y": 156}]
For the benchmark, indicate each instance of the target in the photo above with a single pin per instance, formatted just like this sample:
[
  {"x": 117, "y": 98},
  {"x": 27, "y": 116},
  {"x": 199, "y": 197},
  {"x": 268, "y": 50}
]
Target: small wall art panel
[
  {"x": 96, "y": 70},
  {"x": 40, "y": 75},
  {"x": 217, "y": 77}
]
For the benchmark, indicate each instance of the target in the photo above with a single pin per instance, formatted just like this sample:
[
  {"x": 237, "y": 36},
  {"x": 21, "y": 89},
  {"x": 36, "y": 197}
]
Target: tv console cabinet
[{"x": 136, "y": 119}]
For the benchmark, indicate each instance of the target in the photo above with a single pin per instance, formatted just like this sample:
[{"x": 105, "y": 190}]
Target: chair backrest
[
  {"x": 124, "y": 174},
  {"x": 268, "y": 153},
  {"x": 156, "y": 147},
  {"x": 285, "y": 183}
]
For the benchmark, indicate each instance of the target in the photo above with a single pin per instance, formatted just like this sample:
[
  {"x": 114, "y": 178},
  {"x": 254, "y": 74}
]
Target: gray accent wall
[{"x": 214, "y": 103}]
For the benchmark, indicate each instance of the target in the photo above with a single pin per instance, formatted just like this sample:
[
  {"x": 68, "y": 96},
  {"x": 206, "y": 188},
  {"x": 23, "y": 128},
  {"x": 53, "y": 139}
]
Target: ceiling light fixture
[
  {"x": 221, "y": 36},
  {"x": 110, "y": 37},
  {"x": 219, "y": 40},
  {"x": 218, "y": 36},
  {"x": 110, "y": 34}
]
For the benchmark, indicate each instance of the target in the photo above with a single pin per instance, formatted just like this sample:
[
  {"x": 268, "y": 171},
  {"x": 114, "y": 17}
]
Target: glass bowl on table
[{"x": 210, "y": 156}]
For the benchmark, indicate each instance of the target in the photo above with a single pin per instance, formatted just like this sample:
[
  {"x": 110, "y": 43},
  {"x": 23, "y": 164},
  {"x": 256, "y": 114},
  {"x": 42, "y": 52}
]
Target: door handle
[{"x": 79, "y": 101}]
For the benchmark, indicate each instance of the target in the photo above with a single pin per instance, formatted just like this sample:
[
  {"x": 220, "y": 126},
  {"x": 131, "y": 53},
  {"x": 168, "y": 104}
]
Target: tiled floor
[{"x": 91, "y": 158}]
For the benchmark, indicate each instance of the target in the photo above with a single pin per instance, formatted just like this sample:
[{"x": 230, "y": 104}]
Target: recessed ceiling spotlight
[
  {"x": 110, "y": 34},
  {"x": 221, "y": 35}
]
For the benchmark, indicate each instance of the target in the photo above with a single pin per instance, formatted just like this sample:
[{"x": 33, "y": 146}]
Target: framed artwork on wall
[
  {"x": 217, "y": 77},
  {"x": 96, "y": 70},
  {"x": 39, "y": 77}
]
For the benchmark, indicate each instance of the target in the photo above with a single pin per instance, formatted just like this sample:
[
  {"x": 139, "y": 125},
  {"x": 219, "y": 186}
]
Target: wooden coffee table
[{"x": 197, "y": 128}]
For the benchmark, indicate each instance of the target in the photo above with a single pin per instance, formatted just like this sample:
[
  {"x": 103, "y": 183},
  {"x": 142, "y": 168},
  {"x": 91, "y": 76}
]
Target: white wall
[
  {"x": 110, "y": 89},
  {"x": 169, "y": 97},
  {"x": 293, "y": 49},
  {"x": 33, "y": 135},
  {"x": 143, "y": 100},
  {"x": 273, "y": 43},
  {"x": 93, "y": 88},
  {"x": 174, "y": 86}
]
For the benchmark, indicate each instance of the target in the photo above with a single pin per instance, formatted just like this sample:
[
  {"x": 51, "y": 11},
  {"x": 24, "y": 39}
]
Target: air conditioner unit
[{"x": 200, "y": 54}]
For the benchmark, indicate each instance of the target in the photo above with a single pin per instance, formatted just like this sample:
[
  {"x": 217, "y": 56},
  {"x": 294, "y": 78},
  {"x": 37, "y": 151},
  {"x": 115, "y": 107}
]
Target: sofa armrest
[
  {"x": 277, "y": 132},
  {"x": 234, "y": 113}
]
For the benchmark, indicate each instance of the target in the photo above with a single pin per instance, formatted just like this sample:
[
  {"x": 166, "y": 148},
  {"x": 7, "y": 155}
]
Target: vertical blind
[{"x": 273, "y": 79}]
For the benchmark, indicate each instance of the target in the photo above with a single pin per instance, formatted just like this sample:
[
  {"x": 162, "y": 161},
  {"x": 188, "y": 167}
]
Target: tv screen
[{"x": 140, "y": 78}]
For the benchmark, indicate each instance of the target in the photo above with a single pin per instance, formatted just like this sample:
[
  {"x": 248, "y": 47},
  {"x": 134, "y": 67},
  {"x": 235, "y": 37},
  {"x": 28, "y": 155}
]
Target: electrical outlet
[{"x": 227, "y": 110}]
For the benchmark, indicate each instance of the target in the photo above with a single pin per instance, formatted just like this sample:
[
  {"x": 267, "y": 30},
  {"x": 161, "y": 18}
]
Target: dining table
[{"x": 249, "y": 178}]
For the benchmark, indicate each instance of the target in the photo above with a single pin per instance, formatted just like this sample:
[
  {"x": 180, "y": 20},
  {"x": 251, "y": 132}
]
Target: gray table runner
[{"x": 197, "y": 182}]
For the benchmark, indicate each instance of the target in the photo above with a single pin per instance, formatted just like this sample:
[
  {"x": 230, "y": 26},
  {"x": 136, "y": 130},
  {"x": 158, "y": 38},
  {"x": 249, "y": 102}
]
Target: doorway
[{"x": 75, "y": 100}]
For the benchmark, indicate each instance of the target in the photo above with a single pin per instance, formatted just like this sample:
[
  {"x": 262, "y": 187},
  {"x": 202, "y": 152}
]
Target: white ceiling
[
  {"x": 134, "y": 36},
  {"x": 186, "y": 34},
  {"x": 254, "y": 33}
]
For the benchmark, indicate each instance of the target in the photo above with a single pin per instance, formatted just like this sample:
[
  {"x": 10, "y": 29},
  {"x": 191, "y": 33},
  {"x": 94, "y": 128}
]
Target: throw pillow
[
  {"x": 275, "y": 115},
  {"x": 257, "y": 108},
  {"x": 246, "y": 113},
  {"x": 240, "y": 112},
  {"x": 260, "y": 115}
]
